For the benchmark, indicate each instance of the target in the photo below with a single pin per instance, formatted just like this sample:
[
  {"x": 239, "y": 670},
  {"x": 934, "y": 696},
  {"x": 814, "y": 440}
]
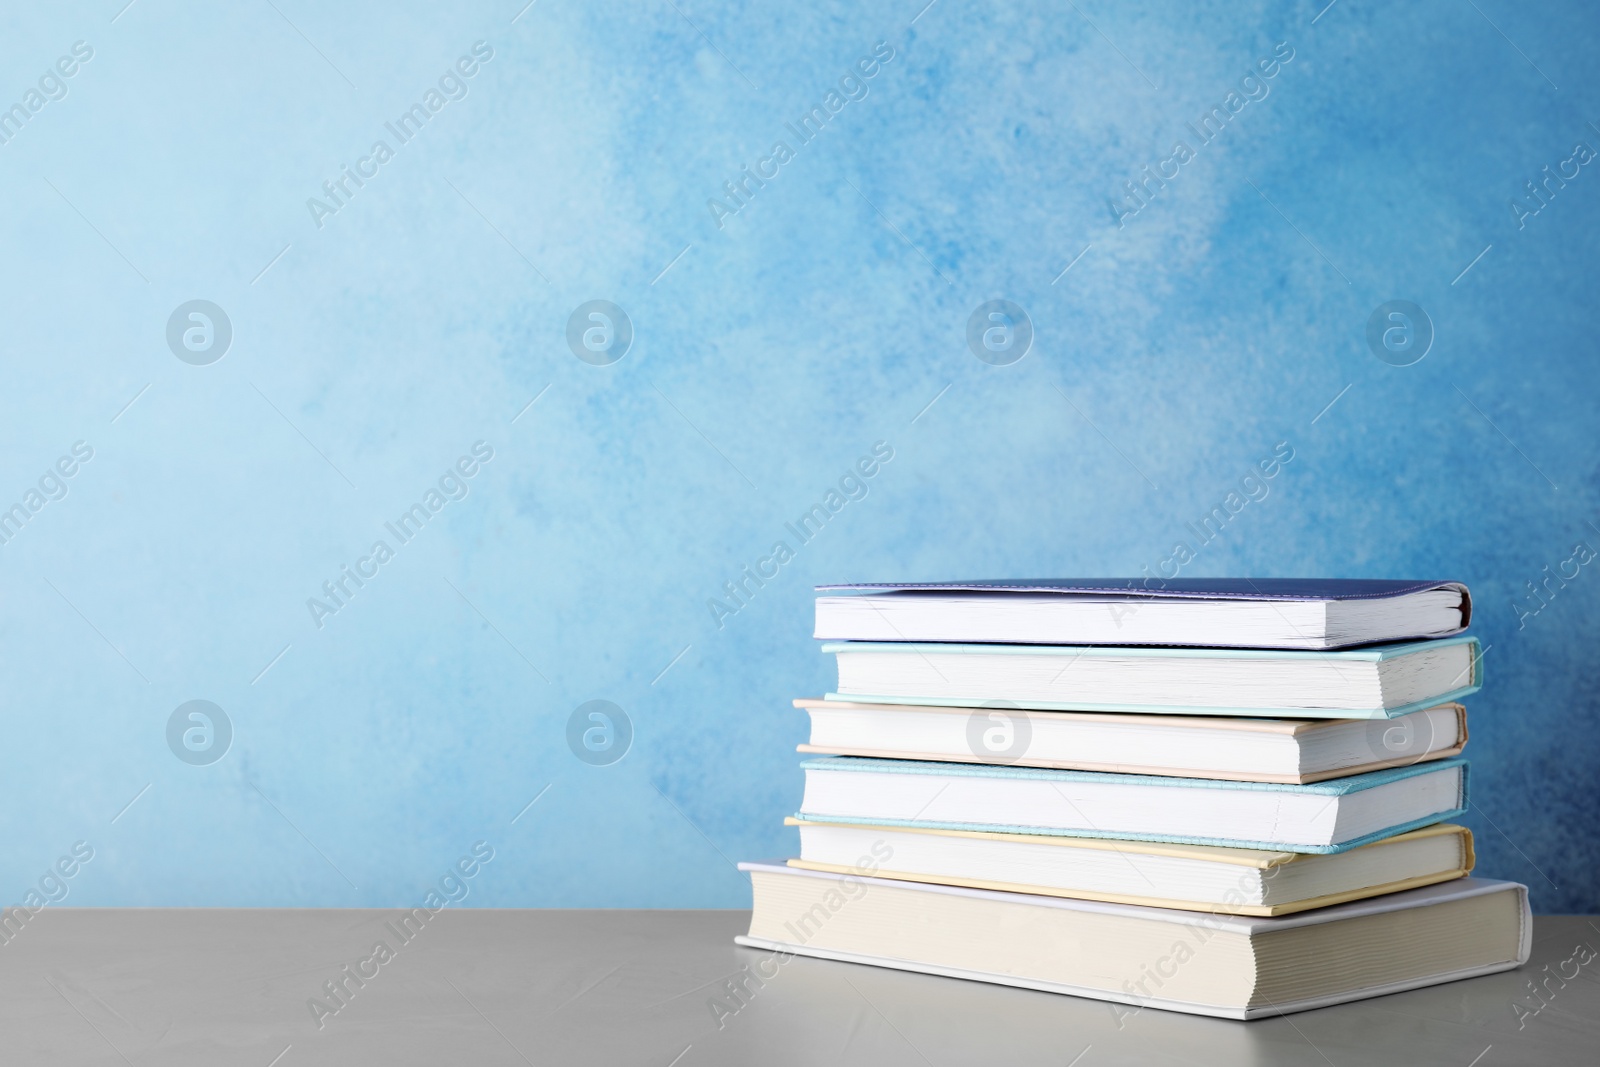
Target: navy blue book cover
[{"x": 1198, "y": 588}]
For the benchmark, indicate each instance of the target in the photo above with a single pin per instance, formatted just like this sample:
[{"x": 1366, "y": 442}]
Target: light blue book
[
  {"x": 1321, "y": 817},
  {"x": 1377, "y": 682}
]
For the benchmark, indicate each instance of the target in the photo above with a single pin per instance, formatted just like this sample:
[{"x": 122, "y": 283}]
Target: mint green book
[
  {"x": 1318, "y": 817},
  {"x": 1378, "y": 682}
]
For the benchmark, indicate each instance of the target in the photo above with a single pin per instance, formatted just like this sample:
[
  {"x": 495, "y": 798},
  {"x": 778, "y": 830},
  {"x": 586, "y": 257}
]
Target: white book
[
  {"x": 1187, "y": 746},
  {"x": 1367, "y": 683},
  {"x": 1330, "y": 816},
  {"x": 1229, "y": 966},
  {"x": 1209, "y": 612},
  {"x": 1233, "y": 881}
]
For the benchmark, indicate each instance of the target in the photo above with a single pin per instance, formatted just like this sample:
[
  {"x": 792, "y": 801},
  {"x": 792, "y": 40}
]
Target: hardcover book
[
  {"x": 1228, "y": 881},
  {"x": 1319, "y": 817},
  {"x": 1230, "y": 966},
  {"x": 1367, "y": 683},
  {"x": 1308, "y": 613},
  {"x": 1185, "y": 746}
]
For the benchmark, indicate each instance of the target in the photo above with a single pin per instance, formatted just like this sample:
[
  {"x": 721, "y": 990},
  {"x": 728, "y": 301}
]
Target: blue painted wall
[{"x": 382, "y": 330}]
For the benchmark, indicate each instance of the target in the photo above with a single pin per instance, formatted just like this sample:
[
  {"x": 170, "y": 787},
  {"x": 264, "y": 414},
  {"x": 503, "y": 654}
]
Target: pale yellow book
[{"x": 1225, "y": 881}]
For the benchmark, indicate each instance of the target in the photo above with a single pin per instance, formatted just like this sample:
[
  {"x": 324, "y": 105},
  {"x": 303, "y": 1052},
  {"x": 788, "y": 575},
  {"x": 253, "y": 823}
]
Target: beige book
[
  {"x": 1229, "y": 966},
  {"x": 1379, "y": 682},
  {"x": 1293, "y": 751},
  {"x": 1226, "y": 881}
]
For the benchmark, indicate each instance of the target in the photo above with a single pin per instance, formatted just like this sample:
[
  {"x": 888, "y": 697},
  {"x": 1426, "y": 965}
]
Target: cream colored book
[
  {"x": 1293, "y": 751},
  {"x": 1228, "y": 881},
  {"x": 1377, "y": 682},
  {"x": 1231, "y": 966}
]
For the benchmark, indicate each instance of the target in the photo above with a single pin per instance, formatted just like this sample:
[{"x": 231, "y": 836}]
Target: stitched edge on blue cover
[
  {"x": 1354, "y": 783},
  {"x": 1273, "y": 846}
]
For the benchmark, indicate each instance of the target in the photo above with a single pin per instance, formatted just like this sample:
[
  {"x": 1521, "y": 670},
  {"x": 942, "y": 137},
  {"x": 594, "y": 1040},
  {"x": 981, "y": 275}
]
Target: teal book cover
[{"x": 1332, "y": 789}]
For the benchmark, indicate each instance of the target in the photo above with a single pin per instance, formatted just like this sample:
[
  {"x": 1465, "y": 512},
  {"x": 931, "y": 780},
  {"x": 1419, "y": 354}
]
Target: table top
[{"x": 229, "y": 987}]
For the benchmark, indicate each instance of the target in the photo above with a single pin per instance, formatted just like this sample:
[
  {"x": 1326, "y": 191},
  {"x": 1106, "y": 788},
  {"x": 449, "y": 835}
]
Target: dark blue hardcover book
[{"x": 1289, "y": 613}]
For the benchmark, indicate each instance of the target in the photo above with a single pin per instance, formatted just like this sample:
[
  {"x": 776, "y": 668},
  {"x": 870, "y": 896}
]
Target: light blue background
[{"x": 826, "y": 315}]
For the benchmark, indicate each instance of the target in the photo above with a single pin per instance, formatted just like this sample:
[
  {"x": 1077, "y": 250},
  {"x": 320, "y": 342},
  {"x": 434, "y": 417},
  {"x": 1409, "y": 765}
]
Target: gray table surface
[{"x": 225, "y": 987}]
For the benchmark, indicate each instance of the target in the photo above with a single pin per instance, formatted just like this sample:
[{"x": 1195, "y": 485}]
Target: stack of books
[{"x": 1227, "y": 797}]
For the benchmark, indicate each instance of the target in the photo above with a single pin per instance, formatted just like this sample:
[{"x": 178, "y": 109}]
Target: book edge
[
  {"x": 1258, "y": 859},
  {"x": 1186, "y": 1007},
  {"x": 1171, "y": 839},
  {"x": 1130, "y": 768},
  {"x": 1340, "y": 786},
  {"x": 1453, "y": 696},
  {"x": 1262, "y": 911},
  {"x": 1367, "y": 654},
  {"x": 1293, "y": 727},
  {"x": 1139, "y": 589},
  {"x": 1459, "y": 889}
]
